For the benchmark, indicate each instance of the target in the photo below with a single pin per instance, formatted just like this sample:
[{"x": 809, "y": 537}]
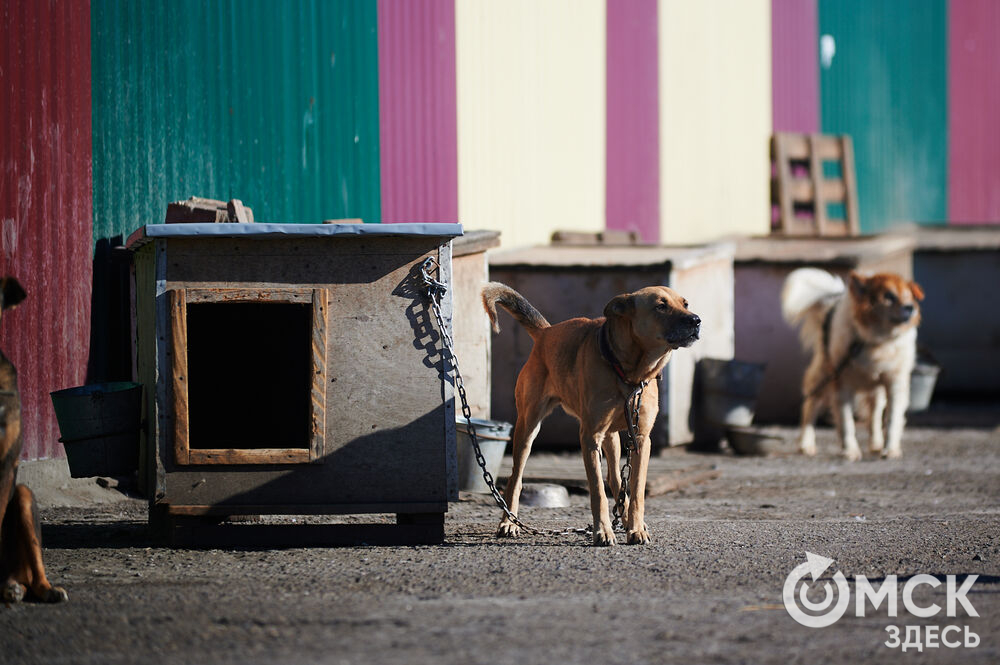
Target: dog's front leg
[
  {"x": 899, "y": 399},
  {"x": 635, "y": 524},
  {"x": 843, "y": 416},
  {"x": 877, "y": 441},
  {"x": 604, "y": 533}
]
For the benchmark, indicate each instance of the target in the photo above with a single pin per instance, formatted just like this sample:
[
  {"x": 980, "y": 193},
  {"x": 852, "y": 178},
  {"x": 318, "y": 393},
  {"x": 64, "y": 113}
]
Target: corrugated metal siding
[
  {"x": 45, "y": 204},
  {"x": 531, "y": 117},
  {"x": 633, "y": 150},
  {"x": 271, "y": 102},
  {"x": 794, "y": 66},
  {"x": 715, "y": 118},
  {"x": 974, "y": 111},
  {"x": 887, "y": 87},
  {"x": 418, "y": 130}
]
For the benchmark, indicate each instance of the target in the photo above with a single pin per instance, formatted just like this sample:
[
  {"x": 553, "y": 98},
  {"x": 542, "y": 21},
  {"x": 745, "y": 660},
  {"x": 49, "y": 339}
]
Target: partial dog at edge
[
  {"x": 569, "y": 366},
  {"x": 21, "y": 568},
  {"x": 863, "y": 340}
]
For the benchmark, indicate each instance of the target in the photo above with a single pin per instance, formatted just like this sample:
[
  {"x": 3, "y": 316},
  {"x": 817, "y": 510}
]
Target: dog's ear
[
  {"x": 13, "y": 292},
  {"x": 619, "y": 306},
  {"x": 857, "y": 284},
  {"x": 918, "y": 293}
]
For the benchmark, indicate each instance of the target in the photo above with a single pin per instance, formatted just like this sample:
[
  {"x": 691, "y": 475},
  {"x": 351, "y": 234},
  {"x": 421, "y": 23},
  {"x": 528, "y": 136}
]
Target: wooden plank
[
  {"x": 305, "y": 508},
  {"x": 179, "y": 373},
  {"x": 816, "y": 173},
  {"x": 319, "y": 364},
  {"x": 784, "y": 173},
  {"x": 801, "y": 147},
  {"x": 851, "y": 185},
  {"x": 279, "y": 295},
  {"x": 247, "y": 456},
  {"x": 831, "y": 190}
]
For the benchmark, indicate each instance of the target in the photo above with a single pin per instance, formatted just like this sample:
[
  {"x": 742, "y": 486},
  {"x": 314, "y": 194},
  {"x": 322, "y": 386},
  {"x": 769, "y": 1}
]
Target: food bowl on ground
[{"x": 751, "y": 440}]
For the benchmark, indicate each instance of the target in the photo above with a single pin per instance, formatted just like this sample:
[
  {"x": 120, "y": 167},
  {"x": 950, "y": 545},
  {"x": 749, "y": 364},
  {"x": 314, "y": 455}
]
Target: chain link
[{"x": 434, "y": 290}]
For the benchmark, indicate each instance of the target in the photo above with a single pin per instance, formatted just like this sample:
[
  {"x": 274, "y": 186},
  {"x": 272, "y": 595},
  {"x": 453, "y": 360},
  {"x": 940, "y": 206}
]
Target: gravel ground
[{"x": 708, "y": 589}]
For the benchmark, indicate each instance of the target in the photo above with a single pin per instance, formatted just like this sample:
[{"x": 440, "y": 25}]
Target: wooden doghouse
[
  {"x": 294, "y": 369},
  {"x": 568, "y": 279},
  {"x": 763, "y": 336}
]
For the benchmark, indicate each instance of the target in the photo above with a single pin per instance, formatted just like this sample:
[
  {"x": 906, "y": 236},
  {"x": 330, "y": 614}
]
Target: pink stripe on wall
[
  {"x": 633, "y": 130},
  {"x": 973, "y": 111},
  {"x": 795, "y": 66},
  {"x": 418, "y": 131}
]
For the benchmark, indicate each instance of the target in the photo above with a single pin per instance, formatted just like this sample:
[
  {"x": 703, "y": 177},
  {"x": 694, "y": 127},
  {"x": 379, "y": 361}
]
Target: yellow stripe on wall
[
  {"x": 531, "y": 116},
  {"x": 715, "y": 118}
]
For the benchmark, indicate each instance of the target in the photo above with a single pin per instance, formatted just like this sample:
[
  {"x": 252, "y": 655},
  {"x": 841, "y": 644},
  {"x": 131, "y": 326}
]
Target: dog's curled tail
[
  {"x": 808, "y": 288},
  {"x": 495, "y": 293}
]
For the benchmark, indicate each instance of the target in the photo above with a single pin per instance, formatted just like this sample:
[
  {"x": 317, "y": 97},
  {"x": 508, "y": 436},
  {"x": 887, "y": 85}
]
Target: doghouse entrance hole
[{"x": 250, "y": 372}]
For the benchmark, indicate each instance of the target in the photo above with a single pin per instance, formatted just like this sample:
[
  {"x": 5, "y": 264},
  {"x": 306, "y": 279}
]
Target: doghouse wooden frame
[{"x": 183, "y": 452}]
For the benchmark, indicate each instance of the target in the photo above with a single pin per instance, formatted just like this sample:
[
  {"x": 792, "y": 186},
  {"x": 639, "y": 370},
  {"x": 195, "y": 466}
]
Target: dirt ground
[{"x": 707, "y": 590}]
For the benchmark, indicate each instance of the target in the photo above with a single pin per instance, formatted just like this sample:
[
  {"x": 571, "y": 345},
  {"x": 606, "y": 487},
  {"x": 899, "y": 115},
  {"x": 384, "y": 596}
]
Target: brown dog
[
  {"x": 863, "y": 339},
  {"x": 21, "y": 566},
  {"x": 590, "y": 367}
]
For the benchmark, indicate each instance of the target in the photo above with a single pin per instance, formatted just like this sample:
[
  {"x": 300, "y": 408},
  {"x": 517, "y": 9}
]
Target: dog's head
[
  {"x": 885, "y": 304},
  {"x": 11, "y": 293},
  {"x": 657, "y": 315}
]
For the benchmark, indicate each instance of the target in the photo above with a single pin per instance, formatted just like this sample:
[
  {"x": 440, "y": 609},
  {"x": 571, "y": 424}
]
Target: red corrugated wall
[
  {"x": 45, "y": 203},
  {"x": 973, "y": 111},
  {"x": 418, "y": 126}
]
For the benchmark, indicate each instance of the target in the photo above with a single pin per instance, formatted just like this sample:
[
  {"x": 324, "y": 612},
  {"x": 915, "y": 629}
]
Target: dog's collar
[{"x": 609, "y": 356}]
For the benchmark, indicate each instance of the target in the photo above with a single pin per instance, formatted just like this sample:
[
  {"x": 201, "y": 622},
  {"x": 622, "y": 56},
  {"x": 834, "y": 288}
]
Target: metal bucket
[
  {"x": 493, "y": 436},
  {"x": 922, "y": 382},
  {"x": 99, "y": 424}
]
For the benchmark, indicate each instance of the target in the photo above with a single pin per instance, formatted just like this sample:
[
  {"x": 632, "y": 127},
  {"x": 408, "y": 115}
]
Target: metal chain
[
  {"x": 629, "y": 445},
  {"x": 434, "y": 289}
]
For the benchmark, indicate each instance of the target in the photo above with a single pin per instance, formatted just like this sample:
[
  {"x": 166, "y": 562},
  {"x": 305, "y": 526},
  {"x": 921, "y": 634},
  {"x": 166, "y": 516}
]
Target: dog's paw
[
  {"x": 892, "y": 453},
  {"x": 13, "y": 592},
  {"x": 852, "y": 454},
  {"x": 638, "y": 536},
  {"x": 508, "y": 529},
  {"x": 605, "y": 536},
  {"x": 55, "y": 594}
]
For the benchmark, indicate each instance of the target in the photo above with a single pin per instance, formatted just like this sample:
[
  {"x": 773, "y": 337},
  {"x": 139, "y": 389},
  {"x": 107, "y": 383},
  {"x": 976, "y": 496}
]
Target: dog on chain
[
  {"x": 591, "y": 367},
  {"x": 863, "y": 343},
  {"x": 21, "y": 568}
]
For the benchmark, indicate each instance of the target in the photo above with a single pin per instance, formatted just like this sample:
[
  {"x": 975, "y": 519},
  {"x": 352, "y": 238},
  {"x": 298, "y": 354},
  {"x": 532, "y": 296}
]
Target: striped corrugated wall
[
  {"x": 271, "y": 102},
  {"x": 633, "y": 150},
  {"x": 45, "y": 204},
  {"x": 795, "y": 78},
  {"x": 886, "y": 86},
  {"x": 417, "y": 111},
  {"x": 531, "y": 117},
  {"x": 715, "y": 118},
  {"x": 973, "y": 111}
]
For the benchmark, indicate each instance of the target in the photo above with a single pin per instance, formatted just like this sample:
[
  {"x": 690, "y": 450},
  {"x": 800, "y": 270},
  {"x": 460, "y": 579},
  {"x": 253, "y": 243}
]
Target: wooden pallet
[{"x": 802, "y": 191}]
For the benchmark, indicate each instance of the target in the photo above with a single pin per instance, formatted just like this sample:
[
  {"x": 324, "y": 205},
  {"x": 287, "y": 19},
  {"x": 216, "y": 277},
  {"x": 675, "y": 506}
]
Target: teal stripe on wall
[
  {"x": 271, "y": 102},
  {"x": 887, "y": 86}
]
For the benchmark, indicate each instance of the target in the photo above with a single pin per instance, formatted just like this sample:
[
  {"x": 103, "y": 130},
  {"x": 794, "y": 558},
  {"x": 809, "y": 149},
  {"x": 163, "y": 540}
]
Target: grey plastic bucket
[
  {"x": 493, "y": 436},
  {"x": 922, "y": 382},
  {"x": 99, "y": 424}
]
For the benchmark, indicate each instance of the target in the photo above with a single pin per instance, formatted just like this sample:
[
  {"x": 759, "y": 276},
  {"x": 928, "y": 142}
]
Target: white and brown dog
[
  {"x": 863, "y": 344},
  {"x": 590, "y": 367}
]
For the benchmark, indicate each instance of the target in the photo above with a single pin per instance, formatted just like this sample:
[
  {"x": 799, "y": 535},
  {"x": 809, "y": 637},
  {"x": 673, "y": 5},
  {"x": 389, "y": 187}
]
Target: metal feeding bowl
[{"x": 755, "y": 441}]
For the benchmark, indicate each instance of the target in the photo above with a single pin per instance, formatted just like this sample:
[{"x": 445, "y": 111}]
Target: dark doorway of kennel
[{"x": 248, "y": 369}]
